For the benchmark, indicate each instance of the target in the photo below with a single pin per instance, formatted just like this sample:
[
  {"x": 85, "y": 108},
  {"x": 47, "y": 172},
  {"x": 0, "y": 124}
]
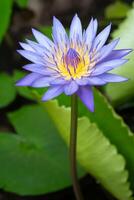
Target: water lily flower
[{"x": 72, "y": 64}]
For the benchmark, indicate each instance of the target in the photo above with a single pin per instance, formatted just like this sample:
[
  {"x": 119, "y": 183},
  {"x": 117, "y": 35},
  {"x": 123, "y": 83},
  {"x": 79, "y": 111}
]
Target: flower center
[
  {"x": 74, "y": 64},
  {"x": 72, "y": 58}
]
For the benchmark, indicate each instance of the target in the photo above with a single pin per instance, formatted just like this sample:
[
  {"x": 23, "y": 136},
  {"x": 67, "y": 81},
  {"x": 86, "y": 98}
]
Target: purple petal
[
  {"x": 59, "y": 34},
  {"x": 86, "y": 95},
  {"x": 101, "y": 38},
  {"x": 90, "y": 81},
  {"x": 82, "y": 81},
  {"x": 32, "y": 56},
  {"x": 117, "y": 54},
  {"x": 107, "y": 49},
  {"x": 96, "y": 81},
  {"x": 37, "y": 68},
  {"x": 28, "y": 79},
  {"x": 89, "y": 34},
  {"x": 95, "y": 27},
  {"x": 71, "y": 88},
  {"x": 76, "y": 29},
  {"x": 37, "y": 47},
  {"x": 26, "y": 47},
  {"x": 59, "y": 81},
  {"x": 107, "y": 66},
  {"x": 52, "y": 93},
  {"x": 42, "y": 51},
  {"x": 43, "y": 82},
  {"x": 43, "y": 40},
  {"x": 112, "y": 78}
]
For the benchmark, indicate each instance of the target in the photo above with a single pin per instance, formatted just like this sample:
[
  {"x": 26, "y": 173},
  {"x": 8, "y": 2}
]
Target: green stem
[{"x": 73, "y": 147}]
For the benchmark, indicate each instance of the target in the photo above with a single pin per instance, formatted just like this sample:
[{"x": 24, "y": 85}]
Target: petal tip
[
  {"x": 75, "y": 17},
  {"x": 34, "y": 30},
  {"x": 21, "y": 44},
  {"x": 44, "y": 99},
  {"x": 117, "y": 39},
  {"x": 109, "y": 26},
  {"x": 18, "y": 83},
  {"x": 130, "y": 50},
  {"x": 20, "y": 51},
  {"x": 125, "y": 61},
  {"x": 25, "y": 67},
  {"x": 54, "y": 19},
  {"x": 91, "y": 109}
]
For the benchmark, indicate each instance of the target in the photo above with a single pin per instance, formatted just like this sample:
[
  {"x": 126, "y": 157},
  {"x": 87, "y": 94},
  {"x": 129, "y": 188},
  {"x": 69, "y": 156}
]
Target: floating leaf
[
  {"x": 34, "y": 161},
  {"x": 95, "y": 153},
  {"x": 7, "y": 90},
  {"x": 122, "y": 92},
  {"x": 5, "y": 13}
]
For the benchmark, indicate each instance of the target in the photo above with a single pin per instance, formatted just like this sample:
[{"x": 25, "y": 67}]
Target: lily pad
[{"x": 35, "y": 160}]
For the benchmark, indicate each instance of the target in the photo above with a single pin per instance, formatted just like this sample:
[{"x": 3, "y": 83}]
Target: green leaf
[
  {"x": 95, "y": 153},
  {"x": 7, "y": 90},
  {"x": 123, "y": 92},
  {"x": 5, "y": 14},
  {"x": 22, "y": 3},
  {"x": 112, "y": 127},
  {"x": 117, "y": 10},
  {"x": 34, "y": 161}
]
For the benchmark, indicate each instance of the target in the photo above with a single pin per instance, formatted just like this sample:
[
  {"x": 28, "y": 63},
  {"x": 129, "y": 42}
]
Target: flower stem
[{"x": 73, "y": 147}]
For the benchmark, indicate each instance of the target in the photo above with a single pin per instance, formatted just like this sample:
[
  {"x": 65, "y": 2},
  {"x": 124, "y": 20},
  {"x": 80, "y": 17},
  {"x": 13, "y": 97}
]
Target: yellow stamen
[{"x": 84, "y": 65}]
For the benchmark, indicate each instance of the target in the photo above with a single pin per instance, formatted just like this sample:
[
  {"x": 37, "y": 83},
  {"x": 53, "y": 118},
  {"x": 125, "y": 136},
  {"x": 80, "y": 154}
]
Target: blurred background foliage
[{"x": 33, "y": 154}]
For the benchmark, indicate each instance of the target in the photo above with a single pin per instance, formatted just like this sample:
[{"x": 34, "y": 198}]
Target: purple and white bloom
[{"x": 72, "y": 64}]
